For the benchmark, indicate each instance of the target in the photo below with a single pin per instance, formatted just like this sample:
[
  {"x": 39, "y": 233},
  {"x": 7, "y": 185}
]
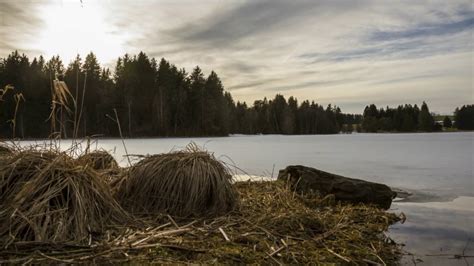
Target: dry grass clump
[
  {"x": 17, "y": 169},
  {"x": 99, "y": 160},
  {"x": 184, "y": 183},
  {"x": 6, "y": 149},
  {"x": 47, "y": 196}
]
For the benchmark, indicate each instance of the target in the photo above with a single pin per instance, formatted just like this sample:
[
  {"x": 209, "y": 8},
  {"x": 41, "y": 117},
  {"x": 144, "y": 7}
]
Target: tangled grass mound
[
  {"x": 17, "y": 169},
  {"x": 184, "y": 183},
  {"x": 50, "y": 197},
  {"x": 99, "y": 160}
]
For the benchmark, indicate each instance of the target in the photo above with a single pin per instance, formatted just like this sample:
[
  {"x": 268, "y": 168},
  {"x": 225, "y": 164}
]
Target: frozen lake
[{"x": 436, "y": 167}]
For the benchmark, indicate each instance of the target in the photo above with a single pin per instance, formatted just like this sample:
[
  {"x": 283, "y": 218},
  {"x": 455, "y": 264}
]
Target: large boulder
[{"x": 308, "y": 180}]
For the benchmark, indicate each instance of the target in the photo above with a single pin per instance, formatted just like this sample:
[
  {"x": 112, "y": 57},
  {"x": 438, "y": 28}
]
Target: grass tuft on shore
[
  {"x": 46, "y": 195},
  {"x": 191, "y": 182}
]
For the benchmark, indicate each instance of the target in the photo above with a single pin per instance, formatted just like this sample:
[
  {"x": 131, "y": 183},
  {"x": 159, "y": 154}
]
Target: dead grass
[
  {"x": 48, "y": 196},
  {"x": 184, "y": 183},
  {"x": 272, "y": 225},
  {"x": 99, "y": 160}
]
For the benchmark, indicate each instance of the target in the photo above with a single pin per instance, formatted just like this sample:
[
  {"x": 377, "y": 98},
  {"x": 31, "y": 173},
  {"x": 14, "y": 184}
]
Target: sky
[{"x": 349, "y": 53}]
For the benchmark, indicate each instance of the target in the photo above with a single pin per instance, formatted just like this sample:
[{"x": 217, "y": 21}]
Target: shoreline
[{"x": 238, "y": 135}]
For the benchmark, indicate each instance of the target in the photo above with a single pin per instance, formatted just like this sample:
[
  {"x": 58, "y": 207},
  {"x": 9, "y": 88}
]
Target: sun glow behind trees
[{"x": 71, "y": 28}]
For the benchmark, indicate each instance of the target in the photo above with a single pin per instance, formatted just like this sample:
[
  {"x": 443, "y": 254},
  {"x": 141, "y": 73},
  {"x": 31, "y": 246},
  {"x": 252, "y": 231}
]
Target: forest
[
  {"x": 144, "y": 97},
  {"x": 411, "y": 118},
  {"x": 464, "y": 117},
  {"x": 151, "y": 98},
  {"x": 404, "y": 118}
]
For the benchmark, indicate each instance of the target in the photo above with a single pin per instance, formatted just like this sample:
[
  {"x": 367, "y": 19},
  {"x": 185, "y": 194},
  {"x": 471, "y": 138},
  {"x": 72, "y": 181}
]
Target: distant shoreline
[
  {"x": 232, "y": 135},
  {"x": 415, "y": 132}
]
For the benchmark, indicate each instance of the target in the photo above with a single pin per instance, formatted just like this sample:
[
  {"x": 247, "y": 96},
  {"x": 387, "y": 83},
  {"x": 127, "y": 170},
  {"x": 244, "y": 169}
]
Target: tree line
[
  {"x": 464, "y": 117},
  {"x": 404, "y": 118},
  {"x": 411, "y": 118},
  {"x": 278, "y": 116},
  {"x": 147, "y": 98}
]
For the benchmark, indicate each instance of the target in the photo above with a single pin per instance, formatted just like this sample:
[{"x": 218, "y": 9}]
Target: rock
[{"x": 308, "y": 180}]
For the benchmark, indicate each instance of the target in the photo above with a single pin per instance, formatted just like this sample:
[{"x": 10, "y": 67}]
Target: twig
[
  {"x": 189, "y": 224},
  {"x": 275, "y": 260},
  {"x": 160, "y": 234},
  {"x": 375, "y": 253},
  {"x": 117, "y": 121},
  {"x": 170, "y": 246},
  {"x": 276, "y": 251},
  {"x": 27, "y": 262},
  {"x": 172, "y": 221},
  {"x": 339, "y": 256},
  {"x": 75, "y": 106},
  {"x": 160, "y": 227},
  {"x": 261, "y": 228},
  {"x": 82, "y": 106},
  {"x": 224, "y": 234},
  {"x": 55, "y": 259}
]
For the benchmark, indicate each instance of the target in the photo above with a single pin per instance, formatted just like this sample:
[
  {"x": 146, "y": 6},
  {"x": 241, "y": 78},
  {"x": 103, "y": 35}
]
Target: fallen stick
[
  {"x": 170, "y": 246},
  {"x": 55, "y": 259},
  {"x": 276, "y": 251},
  {"x": 224, "y": 234},
  {"x": 275, "y": 260},
  {"x": 164, "y": 233},
  {"x": 339, "y": 256},
  {"x": 172, "y": 220}
]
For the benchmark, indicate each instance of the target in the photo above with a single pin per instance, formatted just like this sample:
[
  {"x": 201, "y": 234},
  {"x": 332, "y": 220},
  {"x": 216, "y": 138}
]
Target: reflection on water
[{"x": 437, "y": 232}]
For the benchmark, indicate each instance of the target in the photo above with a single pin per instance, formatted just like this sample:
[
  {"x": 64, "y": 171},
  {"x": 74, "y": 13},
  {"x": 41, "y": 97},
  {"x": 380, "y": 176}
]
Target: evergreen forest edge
[{"x": 154, "y": 98}]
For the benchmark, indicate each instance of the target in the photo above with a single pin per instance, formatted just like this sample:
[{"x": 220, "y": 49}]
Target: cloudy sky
[{"x": 350, "y": 53}]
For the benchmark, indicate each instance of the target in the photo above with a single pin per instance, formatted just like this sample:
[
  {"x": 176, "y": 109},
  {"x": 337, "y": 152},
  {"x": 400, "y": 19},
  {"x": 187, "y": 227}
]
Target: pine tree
[
  {"x": 464, "y": 117},
  {"x": 425, "y": 119},
  {"x": 196, "y": 100}
]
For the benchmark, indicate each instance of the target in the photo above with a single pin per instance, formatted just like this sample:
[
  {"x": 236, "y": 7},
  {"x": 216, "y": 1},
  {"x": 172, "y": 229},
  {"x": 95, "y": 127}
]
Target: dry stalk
[
  {"x": 78, "y": 123},
  {"x": 18, "y": 97},
  {"x": 117, "y": 121}
]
